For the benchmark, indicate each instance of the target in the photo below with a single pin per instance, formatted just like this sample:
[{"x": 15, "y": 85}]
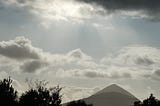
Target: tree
[
  {"x": 40, "y": 95},
  {"x": 137, "y": 103},
  {"x": 151, "y": 101},
  {"x": 8, "y": 95},
  {"x": 78, "y": 103}
]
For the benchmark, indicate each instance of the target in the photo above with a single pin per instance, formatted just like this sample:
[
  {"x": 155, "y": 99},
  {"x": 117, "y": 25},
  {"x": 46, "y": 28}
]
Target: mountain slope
[
  {"x": 112, "y": 95},
  {"x": 114, "y": 88}
]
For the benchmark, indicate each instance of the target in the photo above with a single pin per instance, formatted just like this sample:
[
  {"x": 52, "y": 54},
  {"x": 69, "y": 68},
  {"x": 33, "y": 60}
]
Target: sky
[{"x": 82, "y": 45}]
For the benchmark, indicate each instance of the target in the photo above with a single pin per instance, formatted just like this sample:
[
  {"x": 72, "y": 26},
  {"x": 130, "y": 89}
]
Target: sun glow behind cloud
[
  {"x": 58, "y": 10},
  {"x": 49, "y": 11}
]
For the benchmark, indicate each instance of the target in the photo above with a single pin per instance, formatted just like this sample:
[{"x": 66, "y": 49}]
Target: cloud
[
  {"x": 129, "y": 62},
  {"x": 157, "y": 72},
  {"x": 155, "y": 75},
  {"x": 134, "y": 55},
  {"x": 91, "y": 73},
  {"x": 3, "y": 74},
  {"x": 19, "y": 49},
  {"x": 47, "y": 11},
  {"x": 30, "y": 58},
  {"x": 94, "y": 74},
  {"x": 78, "y": 54},
  {"x": 133, "y": 62},
  {"x": 116, "y": 75},
  {"x": 145, "y": 8},
  {"x": 32, "y": 66},
  {"x": 99, "y": 73},
  {"x": 101, "y": 26}
]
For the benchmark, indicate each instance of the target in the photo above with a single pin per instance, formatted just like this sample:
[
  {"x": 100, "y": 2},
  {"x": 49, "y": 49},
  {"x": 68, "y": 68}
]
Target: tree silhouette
[
  {"x": 78, "y": 103},
  {"x": 137, "y": 103},
  {"x": 151, "y": 101},
  {"x": 41, "y": 96},
  {"x": 8, "y": 96}
]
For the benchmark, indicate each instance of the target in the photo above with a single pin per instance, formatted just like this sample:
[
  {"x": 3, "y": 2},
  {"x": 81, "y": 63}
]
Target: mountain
[
  {"x": 112, "y": 95},
  {"x": 114, "y": 88}
]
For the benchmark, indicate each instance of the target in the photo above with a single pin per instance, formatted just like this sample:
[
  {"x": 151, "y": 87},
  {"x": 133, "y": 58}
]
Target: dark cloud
[
  {"x": 157, "y": 72},
  {"x": 127, "y": 75},
  {"x": 22, "y": 1},
  {"x": 122, "y": 75},
  {"x": 149, "y": 7},
  {"x": 32, "y": 66},
  {"x": 92, "y": 74},
  {"x": 144, "y": 61}
]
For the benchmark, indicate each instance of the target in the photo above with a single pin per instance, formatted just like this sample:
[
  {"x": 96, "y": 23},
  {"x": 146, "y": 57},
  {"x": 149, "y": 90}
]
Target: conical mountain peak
[
  {"x": 116, "y": 89},
  {"x": 113, "y": 86},
  {"x": 112, "y": 95}
]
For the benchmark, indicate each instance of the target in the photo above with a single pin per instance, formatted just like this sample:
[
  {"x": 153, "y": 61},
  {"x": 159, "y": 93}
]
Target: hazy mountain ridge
[
  {"x": 112, "y": 95},
  {"x": 110, "y": 99},
  {"x": 115, "y": 88}
]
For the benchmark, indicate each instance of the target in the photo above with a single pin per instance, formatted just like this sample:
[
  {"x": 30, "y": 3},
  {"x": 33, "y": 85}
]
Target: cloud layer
[
  {"x": 53, "y": 9},
  {"x": 143, "y": 8},
  {"x": 129, "y": 62},
  {"x": 76, "y": 11}
]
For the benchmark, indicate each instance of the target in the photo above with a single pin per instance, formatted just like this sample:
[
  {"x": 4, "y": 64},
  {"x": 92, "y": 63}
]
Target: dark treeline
[
  {"x": 78, "y": 103},
  {"x": 38, "y": 95},
  {"x": 151, "y": 101}
]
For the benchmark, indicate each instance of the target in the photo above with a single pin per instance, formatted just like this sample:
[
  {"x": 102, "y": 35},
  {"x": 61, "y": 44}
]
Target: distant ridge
[{"x": 112, "y": 95}]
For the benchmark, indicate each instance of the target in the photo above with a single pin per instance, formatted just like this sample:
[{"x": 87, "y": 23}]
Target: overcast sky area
[{"x": 83, "y": 45}]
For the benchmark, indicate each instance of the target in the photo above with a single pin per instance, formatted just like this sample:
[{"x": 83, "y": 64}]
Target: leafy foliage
[{"x": 41, "y": 96}]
